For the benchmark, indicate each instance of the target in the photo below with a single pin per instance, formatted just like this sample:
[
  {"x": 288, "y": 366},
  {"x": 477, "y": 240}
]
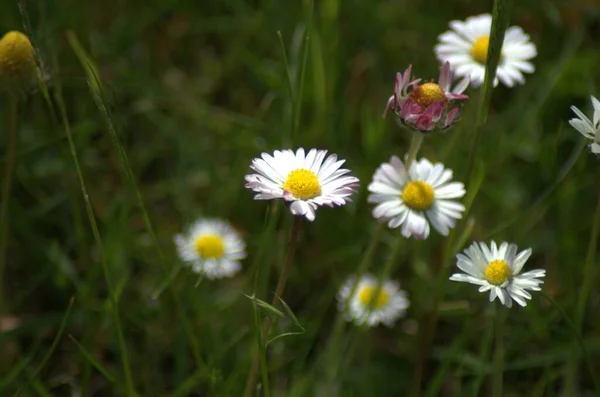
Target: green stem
[
  {"x": 95, "y": 231},
  {"x": 497, "y": 379},
  {"x": 261, "y": 351},
  {"x": 385, "y": 272},
  {"x": 285, "y": 272},
  {"x": 415, "y": 144},
  {"x": 12, "y": 113},
  {"x": 580, "y": 341},
  {"x": 584, "y": 293},
  {"x": 500, "y": 16},
  {"x": 333, "y": 351}
]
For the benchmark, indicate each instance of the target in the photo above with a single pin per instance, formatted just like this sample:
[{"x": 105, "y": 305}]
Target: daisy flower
[
  {"x": 466, "y": 48},
  {"x": 363, "y": 307},
  {"x": 416, "y": 198},
  {"x": 427, "y": 107},
  {"x": 588, "y": 128},
  {"x": 212, "y": 248},
  {"x": 305, "y": 180},
  {"x": 498, "y": 270}
]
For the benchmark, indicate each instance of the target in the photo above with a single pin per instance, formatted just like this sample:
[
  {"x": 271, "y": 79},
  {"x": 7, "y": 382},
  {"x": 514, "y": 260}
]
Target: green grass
[{"x": 165, "y": 103}]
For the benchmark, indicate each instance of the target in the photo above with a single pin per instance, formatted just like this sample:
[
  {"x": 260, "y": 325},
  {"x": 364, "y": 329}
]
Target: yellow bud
[{"x": 17, "y": 62}]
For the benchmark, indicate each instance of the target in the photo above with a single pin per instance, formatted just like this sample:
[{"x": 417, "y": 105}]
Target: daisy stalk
[
  {"x": 582, "y": 299},
  {"x": 285, "y": 272},
  {"x": 9, "y": 162},
  {"x": 385, "y": 272},
  {"x": 500, "y": 17},
  {"x": 333, "y": 353}
]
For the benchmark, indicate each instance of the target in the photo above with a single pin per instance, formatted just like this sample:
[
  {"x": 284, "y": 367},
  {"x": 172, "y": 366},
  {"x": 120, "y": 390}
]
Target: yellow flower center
[
  {"x": 497, "y": 272},
  {"x": 365, "y": 296},
  {"x": 479, "y": 49},
  {"x": 426, "y": 94},
  {"x": 418, "y": 195},
  {"x": 210, "y": 246},
  {"x": 17, "y": 62},
  {"x": 303, "y": 184}
]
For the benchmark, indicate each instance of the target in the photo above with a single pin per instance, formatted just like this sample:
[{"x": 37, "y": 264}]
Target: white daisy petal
[
  {"x": 415, "y": 200},
  {"x": 306, "y": 180},
  {"x": 366, "y": 301},
  {"x": 465, "y": 47},
  {"x": 588, "y": 128},
  {"x": 496, "y": 269},
  {"x": 211, "y": 247}
]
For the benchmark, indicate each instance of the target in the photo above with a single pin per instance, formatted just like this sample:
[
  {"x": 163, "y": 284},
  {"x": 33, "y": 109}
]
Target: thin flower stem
[
  {"x": 413, "y": 150},
  {"x": 114, "y": 304},
  {"x": 11, "y": 144},
  {"x": 385, "y": 272},
  {"x": 500, "y": 16},
  {"x": 584, "y": 293},
  {"x": 334, "y": 346},
  {"x": 497, "y": 378},
  {"x": 285, "y": 272},
  {"x": 580, "y": 341},
  {"x": 260, "y": 344}
]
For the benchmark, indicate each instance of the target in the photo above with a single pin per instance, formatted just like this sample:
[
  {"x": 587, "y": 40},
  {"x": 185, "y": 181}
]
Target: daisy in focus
[
  {"x": 466, "y": 48},
  {"x": 414, "y": 199},
  {"x": 212, "y": 248},
  {"x": 587, "y": 128},
  {"x": 427, "y": 107},
  {"x": 498, "y": 270},
  {"x": 305, "y": 180},
  {"x": 363, "y": 307}
]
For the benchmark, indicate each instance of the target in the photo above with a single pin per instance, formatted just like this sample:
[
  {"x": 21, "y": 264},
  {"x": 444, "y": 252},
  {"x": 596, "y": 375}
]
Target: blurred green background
[{"x": 196, "y": 90}]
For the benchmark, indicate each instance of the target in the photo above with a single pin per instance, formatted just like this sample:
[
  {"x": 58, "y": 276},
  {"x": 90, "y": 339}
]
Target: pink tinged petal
[
  {"x": 389, "y": 105},
  {"x": 445, "y": 77},
  {"x": 462, "y": 86},
  {"x": 451, "y": 116},
  {"x": 406, "y": 75},
  {"x": 424, "y": 122},
  {"x": 465, "y": 278}
]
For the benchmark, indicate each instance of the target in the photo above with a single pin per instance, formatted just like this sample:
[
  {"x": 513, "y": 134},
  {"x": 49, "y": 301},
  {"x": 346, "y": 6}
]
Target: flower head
[
  {"x": 466, "y": 48},
  {"x": 589, "y": 129},
  {"x": 305, "y": 180},
  {"x": 17, "y": 62},
  {"x": 212, "y": 248},
  {"x": 498, "y": 270},
  {"x": 416, "y": 198},
  {"x": 427, "y": 107},
  {"x": 371, "y": 303}
]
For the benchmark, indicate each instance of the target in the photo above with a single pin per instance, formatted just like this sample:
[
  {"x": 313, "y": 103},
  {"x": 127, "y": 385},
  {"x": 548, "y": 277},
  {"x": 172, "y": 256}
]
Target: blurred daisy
[
  {"x": 497, "y": 269},
  {"x": 588, "y": 128},
  {"x": 365, "y": 308},
  {"x": 466, "y": 48},
  {"x": 427, "y": 107},
  {"x": 306, "y": 181},
  {"x": 212, "y": 248},
  {"x": 413, "y": 200}
]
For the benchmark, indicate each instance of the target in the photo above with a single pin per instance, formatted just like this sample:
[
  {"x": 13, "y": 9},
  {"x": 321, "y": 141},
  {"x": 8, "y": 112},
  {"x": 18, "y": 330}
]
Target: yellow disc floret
[
  {"x": 365, "y": 296},
  {"x": 479, "y": 49},
  {"x": 17, "y": 62},
  {"x": 210, "y": 246},
  {"x": 418, "y": 195},
  {"x": 303, "y": 184},
  {"x": 497, "y": 272},
  {"x": 426, "y": 94}
]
